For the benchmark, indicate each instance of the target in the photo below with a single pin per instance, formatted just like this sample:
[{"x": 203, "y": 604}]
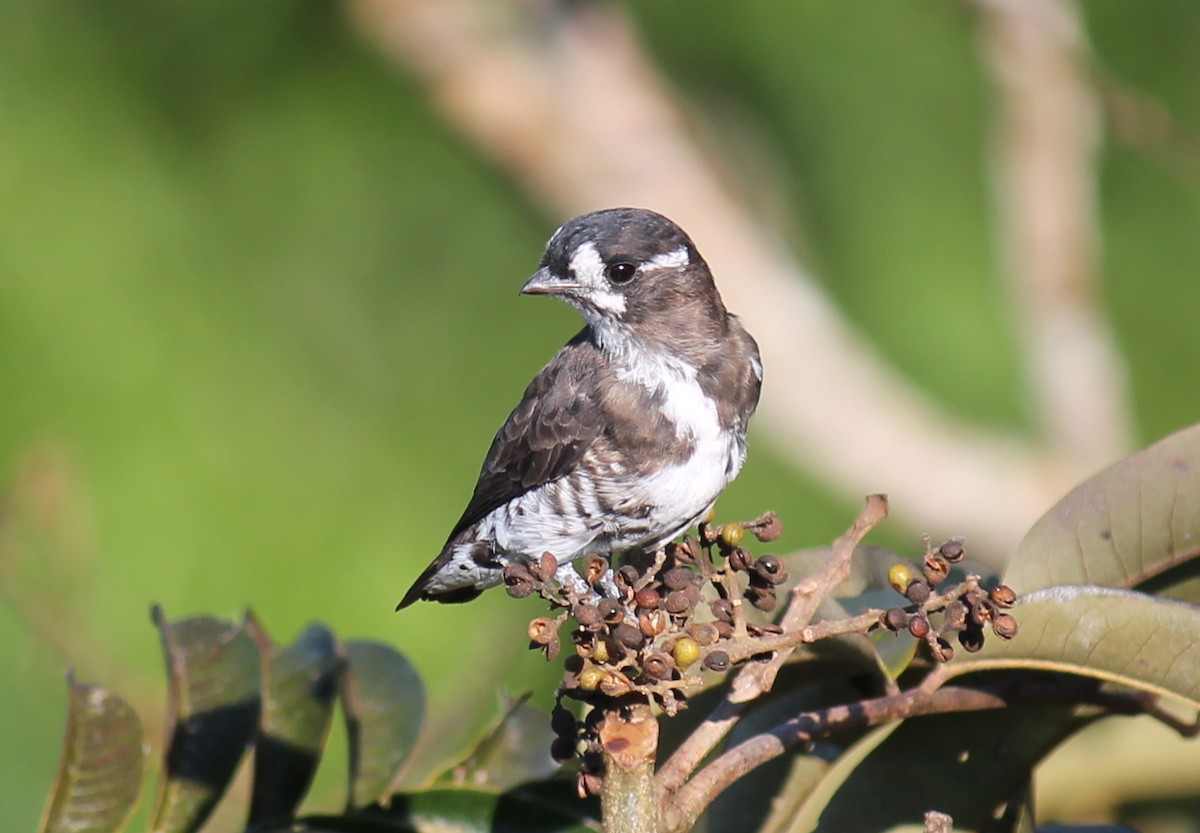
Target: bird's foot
[{"x": 569, "y": 580}]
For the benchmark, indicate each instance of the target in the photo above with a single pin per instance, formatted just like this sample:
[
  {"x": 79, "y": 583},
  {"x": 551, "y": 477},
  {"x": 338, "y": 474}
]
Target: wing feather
[{"x": 545, "y": 436}]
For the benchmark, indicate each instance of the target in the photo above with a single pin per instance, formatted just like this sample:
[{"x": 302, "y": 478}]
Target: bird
[{"x": 627, "y": 436}]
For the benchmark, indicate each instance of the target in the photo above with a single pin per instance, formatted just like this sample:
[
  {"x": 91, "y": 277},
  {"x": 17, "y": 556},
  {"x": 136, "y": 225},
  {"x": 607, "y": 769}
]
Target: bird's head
[{"x": 628, "y": 271}]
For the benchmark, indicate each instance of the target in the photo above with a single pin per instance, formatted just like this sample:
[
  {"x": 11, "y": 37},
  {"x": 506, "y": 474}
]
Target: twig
[
  {"x": 751, "y": 681},
  {"x": 1047, "y": 136},
  {"x": 695, "y": 796},
  {"x": 807, "y": 596}
]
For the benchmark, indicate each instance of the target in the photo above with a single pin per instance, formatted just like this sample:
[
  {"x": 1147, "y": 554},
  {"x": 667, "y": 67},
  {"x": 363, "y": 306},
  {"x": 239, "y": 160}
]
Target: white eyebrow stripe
[
  {"x": 587, "y": 265},
  {"x": 671, "y": 260}
]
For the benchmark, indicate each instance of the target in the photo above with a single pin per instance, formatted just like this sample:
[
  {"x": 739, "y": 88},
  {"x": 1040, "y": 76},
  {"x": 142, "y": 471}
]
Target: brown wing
[
  {"x": 556, "y": 421},
  {"x": 545, "y": 435}
]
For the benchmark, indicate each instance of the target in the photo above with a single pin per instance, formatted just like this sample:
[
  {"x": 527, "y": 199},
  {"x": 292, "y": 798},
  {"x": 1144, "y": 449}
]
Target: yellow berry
[
  {"x": 686, "y": 651},
  {"x": 590, "y": 677},
  {"x": 600, "y": 652},
  {"x": 732, "y": 534},
  {"x": 710, "y": 514},
  {"x": 900, "y": 576}
]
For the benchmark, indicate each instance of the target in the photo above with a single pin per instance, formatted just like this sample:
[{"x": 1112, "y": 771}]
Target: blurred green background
[{"x": 259, "y": 321}]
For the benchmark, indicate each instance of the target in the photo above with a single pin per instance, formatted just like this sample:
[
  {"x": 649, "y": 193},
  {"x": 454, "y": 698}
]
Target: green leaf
[
  {"x": 100, "y": 769},
  {"x": 524, "y": 810},
  {"x": 384, "y": 702},
  {"x": 1145, "y": 642},
  {"x": 515, "y": 750},
  {"x": 790, "y": 778},
  {"x": 1127, "y": 525},
  {"x": 545, "y": 807},
  {"x": 965, "y": 765},
  {"x": 214, "y": 677},
  {"x": 300, "y": 689}
]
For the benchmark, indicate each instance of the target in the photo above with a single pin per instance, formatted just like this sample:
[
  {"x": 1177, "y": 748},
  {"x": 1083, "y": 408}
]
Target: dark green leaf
[
  {"x": 100, "y": 770},
  {"x": 519, "y": 811},
  {"x": 300, "y": 688},
  {"x": 789, "y": 778},
  {"x": 1121, "y": 635},
  {"x": 964, "y": 765},
  {"x": 214, "y": 677},
  {"x": 384, "y": 702},
  {"x": 546, "y": 807},
  {"x": 1127, "y": 525},
  {"x": 516, "y": 750}
]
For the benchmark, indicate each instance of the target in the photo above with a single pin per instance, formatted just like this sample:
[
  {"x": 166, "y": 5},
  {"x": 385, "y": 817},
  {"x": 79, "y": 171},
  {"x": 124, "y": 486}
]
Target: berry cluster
[
  {"x": 665, "y": 625},
  {"x": 963, "y": 611}
]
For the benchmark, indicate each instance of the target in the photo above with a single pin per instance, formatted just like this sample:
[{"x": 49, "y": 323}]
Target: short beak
[{"x": 544, "y": 282}]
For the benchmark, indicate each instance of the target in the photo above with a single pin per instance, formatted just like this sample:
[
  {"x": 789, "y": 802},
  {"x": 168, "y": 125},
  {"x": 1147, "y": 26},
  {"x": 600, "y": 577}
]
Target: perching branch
[
  {"x": 753, "y": 680},
  {"x": 692, "y": 799}
]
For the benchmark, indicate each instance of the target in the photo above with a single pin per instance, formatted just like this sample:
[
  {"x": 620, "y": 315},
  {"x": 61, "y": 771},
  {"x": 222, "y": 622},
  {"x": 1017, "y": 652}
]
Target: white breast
[
  {"x": 566, "y": 516},
  {"x": 680, "y": 493}
]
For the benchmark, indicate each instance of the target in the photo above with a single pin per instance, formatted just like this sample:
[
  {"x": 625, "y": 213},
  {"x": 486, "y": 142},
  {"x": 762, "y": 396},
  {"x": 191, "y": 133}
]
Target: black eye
[{"x": 619, "y": 273}]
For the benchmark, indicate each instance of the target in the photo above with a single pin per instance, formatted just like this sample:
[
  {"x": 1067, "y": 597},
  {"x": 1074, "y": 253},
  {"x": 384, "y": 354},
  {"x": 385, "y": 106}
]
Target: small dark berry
[
  {"x": 918, "y": 591},
  {"x": 918, "y": 626},
  {"x": 724, "y": 629},
  {"x": 739, "y": 559},
  {"x": 547, "y": 566},
  {"x": 943, "y": 651},
  {"x": 629, "y": 636},
  {"x": 767, "y": 528},
  {"x": 677, "y": 602},
  {"x": 704, "y": 632},
  {"x": 627, "y": 576},
  {"x": 516, "y": 572},
  {"x": 610, "y": 611},
  {"x": 895, "y": 619},
  {"x": 563, "y": 723},
  {"x": 519, "y": 591},
  {"x": 653, "y": 622},
  {"x": 971, "y": 639},
  {"x": 595, "y": 569},
  {"x": 678, "y": 578},
  {"x": 771, "y": 569},
  {"x": 588, "y": 783},
  {"x": 955, "y": 617},
  {"x": 717, "y": 661},
  {"x": 762, "y": 598},
  {"x": 981, "y": 612},
  {"x": 647, "y": 598},
  {"x": 541, "y": 630},
  {"x": 1003, "y": 596},
  {"x": 659, "y": 666},
  {"x": 936, "y": 570},
  {"x": 615, "y": 684},
  {"x": 518, "y": 580},
  {"x": 722, "y": 609},
  {"x": 1004, "y": 626},
  {"x": 562, "y": 748},
  {"x": 588, "y": 616},
  {"x": 952, "y": 550}
]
